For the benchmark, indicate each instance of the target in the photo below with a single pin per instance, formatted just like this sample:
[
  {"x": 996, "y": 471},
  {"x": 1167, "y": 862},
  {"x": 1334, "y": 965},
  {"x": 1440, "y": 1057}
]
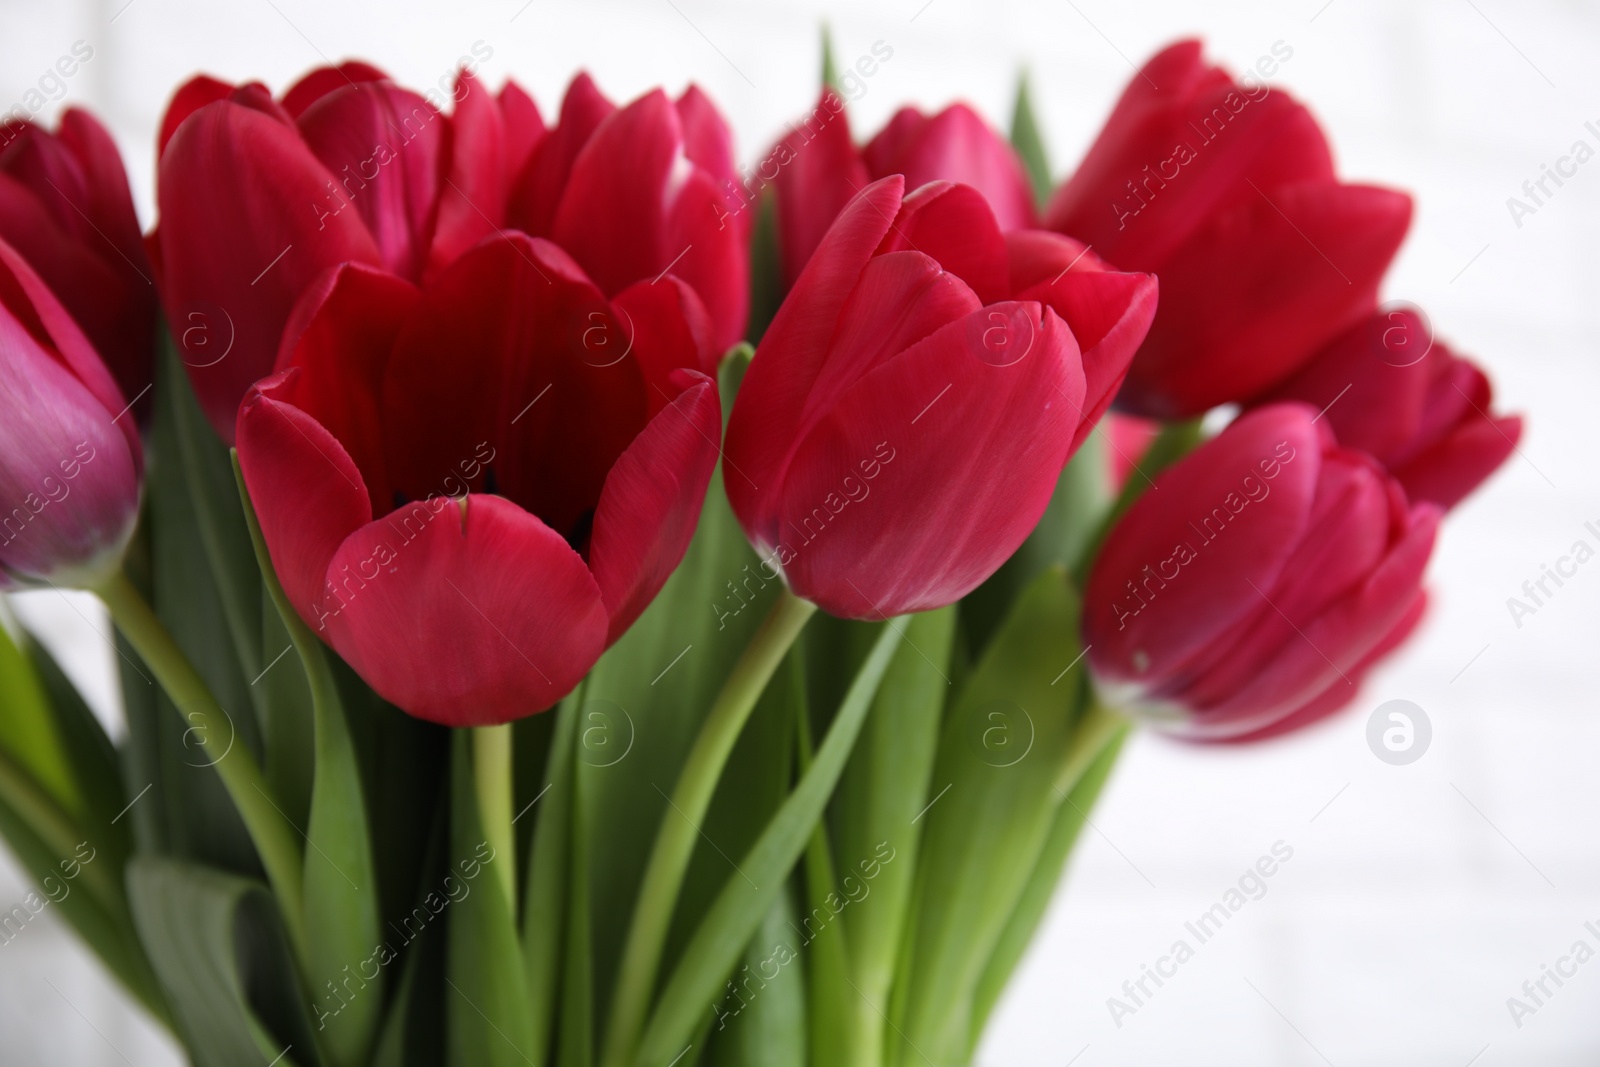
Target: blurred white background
[{"x": 1418, "y": 898}]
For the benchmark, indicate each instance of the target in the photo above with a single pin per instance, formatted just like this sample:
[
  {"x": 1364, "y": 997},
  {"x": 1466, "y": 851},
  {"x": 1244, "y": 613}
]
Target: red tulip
[
  {"x": 912, "y": 405},
  {"x": 1393, "y": 391},
  {"x": 635, "y": 193},
  {"x": 1227, "y": 192},
  {"x": 258, "y": 198},
  {"x": 70, "y": 459},
  {"x": 64, "y": 204},
  {"x": 471, "y": 490},
  {"x": 1255, "y": 578},
  {"x": 816, "y": 169}
]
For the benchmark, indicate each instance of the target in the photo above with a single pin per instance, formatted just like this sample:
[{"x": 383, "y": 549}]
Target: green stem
[
  {"x": 491, "y": 773},
  {"x": 1095, "y": 731},
  {"x": 268, "y": 827},
  {"x": 680, "y": 826}
]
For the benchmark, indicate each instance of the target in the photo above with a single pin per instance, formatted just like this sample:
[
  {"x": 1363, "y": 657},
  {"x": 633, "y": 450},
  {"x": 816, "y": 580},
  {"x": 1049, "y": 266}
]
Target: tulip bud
[
  {"x": 70, "y": 459},
  {"x": 1390, "y": 389},
  {"x": 910, "y": 409},
  {"x": 1254, "y": 579},
  {"x": 65, "y": 206},
  {"x": 1227, "y": 192}
]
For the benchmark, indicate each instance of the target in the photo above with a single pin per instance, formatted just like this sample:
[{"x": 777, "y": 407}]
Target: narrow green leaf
[
  {"x": 1001, "y": 753},
  {"x": 748, "y": 894},
  {"x": 91, "y": 757},
  {"x": 830, "y": 68},
  {"x": 1070, "y": 818},
  {"x": 218, "y": 947},
  {"x": 288, "y": 725},
  {"x": 759, "y": 1017},
  {"x": 29, "y": 732},
  {"x": 340, "y": 882},
  {"x": 487, "y": 995},
  {"x": 1028, "y": 142},
  {"x": 577, "y": 990},
  {"x": 883, "y": 791}
]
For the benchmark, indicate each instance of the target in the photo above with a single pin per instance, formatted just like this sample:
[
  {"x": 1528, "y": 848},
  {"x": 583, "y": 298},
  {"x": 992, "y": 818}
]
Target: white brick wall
[{"x": 1406, "y": 917}]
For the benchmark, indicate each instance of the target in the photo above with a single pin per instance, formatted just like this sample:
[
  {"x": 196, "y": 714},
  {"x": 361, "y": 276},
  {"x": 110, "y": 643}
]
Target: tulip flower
[
  {"x": 816, "y": 169},
  {"x": 1255, "y": 578},
  {"x": 1227, "y": 192},
  {"x": 472, "y": 489},
  {"x": 637, "y": 192},
  {"x": 1392, "y": 390},
  {"x": 70, "y": 459},
  {"x": 912, "y": 405},
  {"x": 65, "y": 206},
  {"x": 258, "y": 197}
]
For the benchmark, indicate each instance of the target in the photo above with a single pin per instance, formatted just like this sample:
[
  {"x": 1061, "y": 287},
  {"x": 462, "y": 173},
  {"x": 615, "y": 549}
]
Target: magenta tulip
[{"x": 1254, "y": 579}]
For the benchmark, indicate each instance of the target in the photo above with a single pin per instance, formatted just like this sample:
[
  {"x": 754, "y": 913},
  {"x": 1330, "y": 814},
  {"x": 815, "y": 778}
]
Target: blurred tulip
[
  {"x": 1254, "y": 579},
  {"x": 1227, "y": 192},
  {"x": 472, "y": 489},
  {"x": 65, "y": 206},
  {"x": 638, "y": 192},
  {"x": 1390, "y": 389},
  {"x": 816, "y": 169},
  {"x": 909, "y": 411},
  {"x": 70, "y": 458},
  {"x": 258, "y": 197}
]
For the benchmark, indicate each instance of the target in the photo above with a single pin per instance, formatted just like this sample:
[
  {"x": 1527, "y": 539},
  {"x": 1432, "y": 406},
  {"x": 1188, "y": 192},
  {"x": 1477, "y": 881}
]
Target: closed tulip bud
[
  {"x": 65, "y": 206},
  {"x": 472, "y": 489},
  {"x": 1390, "y": 389},
  {"x": 259, "y": 196},
  {"x": 911, "y": 407},
  {"x": 70, "y": 459},
  {"x": 816, "y": 169},
  {"x": 641, "y": 191},
  {"x": 1255, "y": 580},
  {"x": 1227, "y": 192}
]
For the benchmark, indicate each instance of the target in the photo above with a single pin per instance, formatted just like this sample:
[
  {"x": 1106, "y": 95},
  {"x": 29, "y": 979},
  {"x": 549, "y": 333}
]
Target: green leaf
[
  {"x": 766, "y": 269},
  {"x": 1003, "y": 748},
  {"x": 1025, "y": 138},
  {"x": 748, "y": 895},
  {"x": 29, "y": 732},
  {"x": 830, "y": 68},
  {"x": 340, "y": 893},
  {"x": 288, "y": 727},
  {"x": 217, "y": 945},
  {"x": 883, "y": 791},
  {"x": 1070, "y": 818},
  {"x": 577, "y": 1033},
  {"x": 487, "y": 995},
  {"x": 760, "y": 1015}
]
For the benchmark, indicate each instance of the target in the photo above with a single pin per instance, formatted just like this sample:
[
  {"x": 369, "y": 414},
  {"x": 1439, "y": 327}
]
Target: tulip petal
[
  {"x": 816, "y": 171},
  {"x": 651, "y": 501},
  {"x": 192, "y": 95},
  {"x": 240, "y": 238},
  {"x": 481, "y": 615},
  {"x": 324, "y": 80},
  {"x": 536, "y": 193},
  {"x": 1281, "y": 278},
  {"x": 1334, "y": 643},
  {"x": 766, "y": 421},
  {"x": 961, "y": 451},
  {"x": 667, "y": 328},
  {"x": 1446, "y": 473},
  {"x": 1185, "y": 563},
  {"x": 307, "y": 491},
  {"x": 339, "y": 336},
  {"x": 954, "y": 225},
  {"x": 524, "y": 128},
  {"x": 713, "y": 256},
  {"x": 472, "y": 202},
  {"x": 956, "y": 145},
  {"x": 385, "y": 147}
]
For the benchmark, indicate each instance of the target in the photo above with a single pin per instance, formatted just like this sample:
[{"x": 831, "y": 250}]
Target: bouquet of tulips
[{"x": 464, "y": 485}]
